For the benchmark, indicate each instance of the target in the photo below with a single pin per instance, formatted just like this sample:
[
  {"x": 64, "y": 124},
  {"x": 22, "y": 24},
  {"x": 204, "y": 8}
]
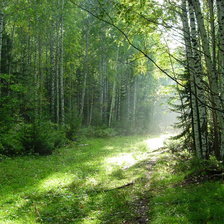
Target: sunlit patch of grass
[
  {"x": 122, "y": 160},
  {"x": 76, "y": 184},
  {"x": 57, "y": 180}
]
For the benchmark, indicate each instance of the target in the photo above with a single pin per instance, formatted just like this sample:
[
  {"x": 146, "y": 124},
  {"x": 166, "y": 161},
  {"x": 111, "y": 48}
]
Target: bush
[
  {"x": 105, "y": 132},
  {"x": 42, "y": 138},
  {"x": 39, "y": 138},
  {"x": 10, "y": 141},
  {"x": 72, "y": 127}
]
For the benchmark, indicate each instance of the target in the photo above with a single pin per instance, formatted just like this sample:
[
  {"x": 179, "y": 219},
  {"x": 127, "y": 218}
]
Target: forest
[{"x": 111, "y": 111}]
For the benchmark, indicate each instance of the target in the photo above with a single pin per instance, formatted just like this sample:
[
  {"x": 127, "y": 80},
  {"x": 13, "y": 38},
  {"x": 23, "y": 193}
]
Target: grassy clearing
[
  {"x": 80, "y": 184},
  {"x": 76, "y": 184},
  {"x": 177, "y": 201}
]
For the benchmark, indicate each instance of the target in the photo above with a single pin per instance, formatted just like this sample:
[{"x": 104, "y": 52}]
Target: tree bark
[
  {"x": 85, "y": 73},
  {"x": 1, "y": 31},
  {"x": 113, "y": 97},
  {"x": 188, "y": 49},
  {"x": 62, "y": 103},
  {"x": 220, "y": 12},
  {"x": 199, "y": 86},
  {"x": 212, "y": 76},
  {"x": 52, "y": 72}
]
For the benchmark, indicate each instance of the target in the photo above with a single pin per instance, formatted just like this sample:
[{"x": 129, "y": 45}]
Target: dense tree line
[
  {"x": 63, "y": 69},
  {"x": 203, "y": 36},
  {"x": 199, "y": 26}
]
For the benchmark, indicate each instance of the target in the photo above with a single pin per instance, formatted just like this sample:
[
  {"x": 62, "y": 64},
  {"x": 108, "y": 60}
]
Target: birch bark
[
  {"x": 220, "y": 12},
  {"x": 113, "y": 97},
  {"x": 199, "y": 86},
  {"x": 212, "y": 76},
  {"x": 1, "y": 31},
  {"x": 188, "y": 49}
]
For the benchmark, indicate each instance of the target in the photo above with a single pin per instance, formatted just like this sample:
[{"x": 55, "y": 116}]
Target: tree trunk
[
  {"x": 113, "y": 97},
  {"x": 62, "y": 103},
  {"x": 101, "y": 88},
  {"x": 85, "y": 74},
  {"x": 57, "y": 76},
  {"x": 134, "y": 103},
  {"x": 212, "y": 76},
  {"x": 186, "y": 31},
  {"x": 91, "y": 109},
  {"x": 199, "y": 86},
  {"x": 1, "y": 31},
  {"x": 53, "y": 70},
  {"x": 220, "y": 12}
]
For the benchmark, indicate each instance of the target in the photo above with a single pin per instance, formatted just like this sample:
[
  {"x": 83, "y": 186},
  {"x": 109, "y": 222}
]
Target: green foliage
[
  {"x": 40, "y": 138},
  {"x": 181, "y": 104},
  {"x": 105, "y": 132},
  {"x": 11, "y": 141},
  {"x": 72, "y": 127},
  {"x": 48, "y": 46}
]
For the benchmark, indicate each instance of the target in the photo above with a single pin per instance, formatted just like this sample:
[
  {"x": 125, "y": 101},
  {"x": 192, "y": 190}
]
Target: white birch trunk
[
  {"x": 212, "y": 76},
  {"x": 220, "y": 12},
  {"x": 186, "y": 32},
  {"x": 199, "y": 86},
  {"x": 1, "y": 31},
  {"x": 113, "y": 97}
]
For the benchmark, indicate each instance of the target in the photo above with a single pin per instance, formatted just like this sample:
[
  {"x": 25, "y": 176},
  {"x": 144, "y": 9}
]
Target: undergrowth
[{"x": 187, "y": 190}]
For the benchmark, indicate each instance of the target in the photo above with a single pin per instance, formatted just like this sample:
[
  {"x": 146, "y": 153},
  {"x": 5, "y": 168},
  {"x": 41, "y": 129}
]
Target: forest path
[
  {"x": 155, "y": 150},
  {"x": 98, "y": 181}
]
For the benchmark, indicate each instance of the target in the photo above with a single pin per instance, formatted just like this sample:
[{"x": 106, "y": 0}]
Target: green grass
[
  {"x": 75, "y": 184},
  {"x": 176, "y": 203},
  {"x": 80, "y": 184}
]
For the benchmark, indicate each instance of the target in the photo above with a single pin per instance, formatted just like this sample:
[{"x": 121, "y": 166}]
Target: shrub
[
  {"x": 86, "y": 132},
  {"x": 10, "y": 143},
  {"x": 42, "y": 138},
  {"x": 39, "y": 138},
  {"x": 72, "y": 127},
  {"x": 105, "y": 132}
]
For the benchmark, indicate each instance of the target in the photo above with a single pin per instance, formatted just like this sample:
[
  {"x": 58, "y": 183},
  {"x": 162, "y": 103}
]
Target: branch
[{"x": 145, "y": 54}]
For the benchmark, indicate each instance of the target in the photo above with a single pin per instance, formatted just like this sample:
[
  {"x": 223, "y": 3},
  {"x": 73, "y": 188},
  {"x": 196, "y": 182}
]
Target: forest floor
[{"x": 120, "y": 180}]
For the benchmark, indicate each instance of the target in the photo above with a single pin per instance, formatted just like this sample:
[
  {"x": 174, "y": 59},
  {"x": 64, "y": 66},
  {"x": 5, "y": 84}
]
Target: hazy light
[
  {"x": 123, "y": 159},
  {"x": 156, "y": 143},
  {"x": 160, "y": 1}
]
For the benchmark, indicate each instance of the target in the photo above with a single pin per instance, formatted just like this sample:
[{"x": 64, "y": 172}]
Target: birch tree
[{"x": 1, "y": 31}]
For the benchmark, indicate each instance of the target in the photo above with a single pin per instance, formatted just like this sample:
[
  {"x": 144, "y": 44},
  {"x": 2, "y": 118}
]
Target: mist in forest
[{"x": 163, "y": 120}]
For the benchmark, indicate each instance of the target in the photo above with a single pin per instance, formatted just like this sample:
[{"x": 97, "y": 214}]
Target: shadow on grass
[
  {"x": 75, "y": 205},
  {"x": 56, "y": 189},
  {"x": 194, "y": 204},
  {"x": 198, "y": 203}
]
